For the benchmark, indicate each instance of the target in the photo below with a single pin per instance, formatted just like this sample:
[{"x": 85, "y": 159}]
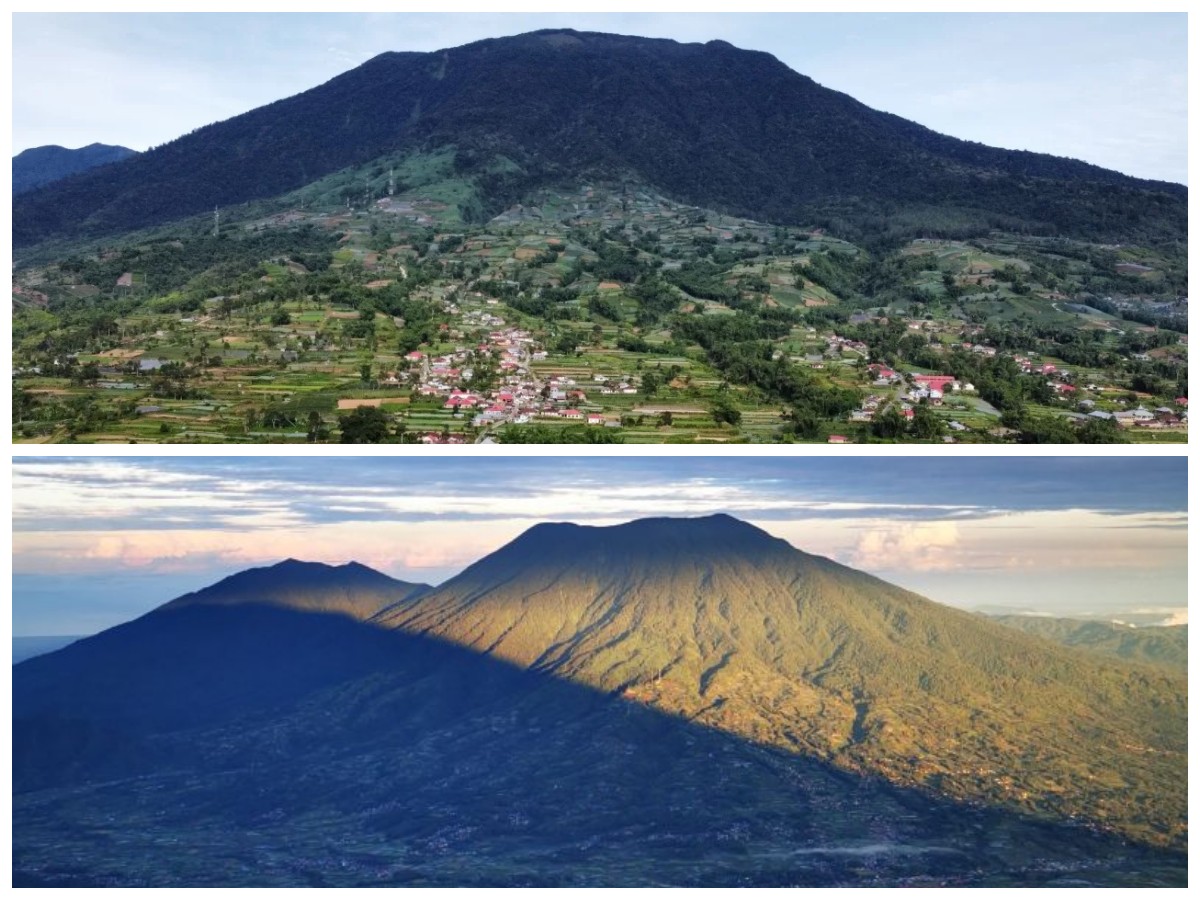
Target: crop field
[{"x": 370, "y": 293}]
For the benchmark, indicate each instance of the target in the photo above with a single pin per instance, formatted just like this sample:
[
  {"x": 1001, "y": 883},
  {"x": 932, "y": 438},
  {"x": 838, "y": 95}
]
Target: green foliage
[
  {"x": 1163, "y": 645},
  {"x": 571, "y": 434},
  {"x": 365, "y": 425}
]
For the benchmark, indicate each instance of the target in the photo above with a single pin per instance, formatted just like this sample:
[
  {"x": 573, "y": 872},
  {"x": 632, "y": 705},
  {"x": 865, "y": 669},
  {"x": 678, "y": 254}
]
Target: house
[
  {"x": 572, "y": 414},
  {"x": 838, "y": 439},
  {"x": 932, "y": 382},
  {"x": 595, "y": 419}
]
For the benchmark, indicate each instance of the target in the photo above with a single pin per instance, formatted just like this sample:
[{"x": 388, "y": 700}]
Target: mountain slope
[
  {"x": 37, "y": 166},
  {"x": 351, "y": 589},
  {"x": 253, "y": 641},
  {"x": 28, "y": 646},
  {"x": 383, "y": 758},
  {"x": 1159, "y": 645},
  {"x": 709, "y": 124},
  {"x": 714, "y": 620}
]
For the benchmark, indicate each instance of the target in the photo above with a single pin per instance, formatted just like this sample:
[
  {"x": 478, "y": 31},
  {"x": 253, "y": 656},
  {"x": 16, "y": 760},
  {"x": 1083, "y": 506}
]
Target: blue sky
[
  {"x": 1109, "y": 88},
  {"x": 99, "y": 540}
]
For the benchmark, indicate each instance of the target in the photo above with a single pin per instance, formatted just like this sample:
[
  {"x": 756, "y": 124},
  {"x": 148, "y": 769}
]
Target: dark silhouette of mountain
[
  {"x": 708, "y": 124},
  {"x": 229, "y": 648},
  {"x": 384, "y": 758},
  {"x": 715, "y": 620},
  {"x": 1155, "y": 645},
  {"x": 37, "y": 166},
  {"x": 28, "y": 646}
]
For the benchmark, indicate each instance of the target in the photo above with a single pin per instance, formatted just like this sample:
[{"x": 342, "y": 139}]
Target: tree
[
  {"x": 723, "y": 410},
  {"x": 925, "y": 425},
  {"x": 365, "y": 425},
  {"x": 316, "y": 428},
  {"x": 888, "y": 424},
  {"x": 651, "y": 381}
]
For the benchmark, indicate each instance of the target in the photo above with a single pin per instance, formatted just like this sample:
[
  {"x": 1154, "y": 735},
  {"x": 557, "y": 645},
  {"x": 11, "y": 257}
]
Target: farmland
[{"x": 379, "y": 304}]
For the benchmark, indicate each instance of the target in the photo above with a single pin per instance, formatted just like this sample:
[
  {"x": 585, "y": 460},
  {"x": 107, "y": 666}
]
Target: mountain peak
[
  {"x": 351, "y": 589},
  {"x": 717, "y": 533},
  {"x": 709, "y": 124}
]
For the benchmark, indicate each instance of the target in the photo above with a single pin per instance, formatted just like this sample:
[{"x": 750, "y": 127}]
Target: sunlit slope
[{"x": 715, "y": 620}]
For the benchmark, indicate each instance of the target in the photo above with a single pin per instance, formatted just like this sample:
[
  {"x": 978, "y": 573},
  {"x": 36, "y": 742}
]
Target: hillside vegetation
[
  {"x": 1161, "y": 645},
  {"x": 714, "y": 620}
]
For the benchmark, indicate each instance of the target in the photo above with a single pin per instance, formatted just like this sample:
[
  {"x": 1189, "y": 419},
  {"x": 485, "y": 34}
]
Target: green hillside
[{"x": 1162, "y": 646}]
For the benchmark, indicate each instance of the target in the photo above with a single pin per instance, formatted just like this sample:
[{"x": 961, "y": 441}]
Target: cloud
[{"x": 918, "y": 547}]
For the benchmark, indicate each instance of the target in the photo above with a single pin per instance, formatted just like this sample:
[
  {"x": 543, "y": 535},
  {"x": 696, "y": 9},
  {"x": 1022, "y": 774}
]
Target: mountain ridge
[
  {"x": 710, "y": 124},
  {"x": 37, "y": 166}
]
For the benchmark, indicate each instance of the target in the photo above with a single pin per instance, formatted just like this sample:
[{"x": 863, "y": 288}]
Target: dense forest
[{"x": 707, "y": 124}]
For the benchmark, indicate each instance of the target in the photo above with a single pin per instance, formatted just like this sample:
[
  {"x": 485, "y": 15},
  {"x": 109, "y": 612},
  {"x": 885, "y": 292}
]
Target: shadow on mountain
[{"x": 262, "y": 746}]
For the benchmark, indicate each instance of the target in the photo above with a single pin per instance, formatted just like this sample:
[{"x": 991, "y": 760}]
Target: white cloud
[{"x": 912, "y": 546}]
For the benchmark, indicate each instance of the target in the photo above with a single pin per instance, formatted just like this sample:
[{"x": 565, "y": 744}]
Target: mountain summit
[
  {"x": 708, "y": 124},
  {"x": 351, "y": 589}
]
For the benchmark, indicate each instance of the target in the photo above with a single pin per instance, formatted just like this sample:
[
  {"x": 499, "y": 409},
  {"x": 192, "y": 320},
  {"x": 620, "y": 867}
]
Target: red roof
[{"x": 934, "y": 382}]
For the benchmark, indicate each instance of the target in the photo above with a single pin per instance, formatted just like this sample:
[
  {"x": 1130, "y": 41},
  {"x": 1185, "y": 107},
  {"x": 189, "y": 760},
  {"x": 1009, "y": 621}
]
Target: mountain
[
  {"x": 687, "y": 702},
  {"x": 248, "y": 643},
  {"x": 28, "y": 646},
  {"x": 708, "y": 124},
  {"x": 352, "y": 589},
  {"x": 37, "y": 166},
  {"x": 1155, "y": 645},
  {"x": 714, "y": 620}
]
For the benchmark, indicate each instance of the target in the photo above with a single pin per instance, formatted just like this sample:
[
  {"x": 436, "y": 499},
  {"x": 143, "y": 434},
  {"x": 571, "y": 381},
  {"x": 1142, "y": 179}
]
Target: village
[{"x": 563, "y": 319}]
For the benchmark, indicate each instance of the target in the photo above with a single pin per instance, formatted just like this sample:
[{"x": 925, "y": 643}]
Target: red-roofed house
[{"x": 933, "y": 382}]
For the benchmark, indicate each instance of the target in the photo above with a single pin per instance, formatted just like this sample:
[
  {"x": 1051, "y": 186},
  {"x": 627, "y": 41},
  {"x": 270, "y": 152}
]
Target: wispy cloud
[{"x": 935, "y": 524}]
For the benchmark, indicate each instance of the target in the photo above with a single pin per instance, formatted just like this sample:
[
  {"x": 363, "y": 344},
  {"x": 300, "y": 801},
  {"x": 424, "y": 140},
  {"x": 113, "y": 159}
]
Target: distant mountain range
[
  {"x": 37, "y": 166},
  {"x": 668, "y": 701},
  {"x": 707, "y": 124},
  {"x": 1156, "y": 645}
]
